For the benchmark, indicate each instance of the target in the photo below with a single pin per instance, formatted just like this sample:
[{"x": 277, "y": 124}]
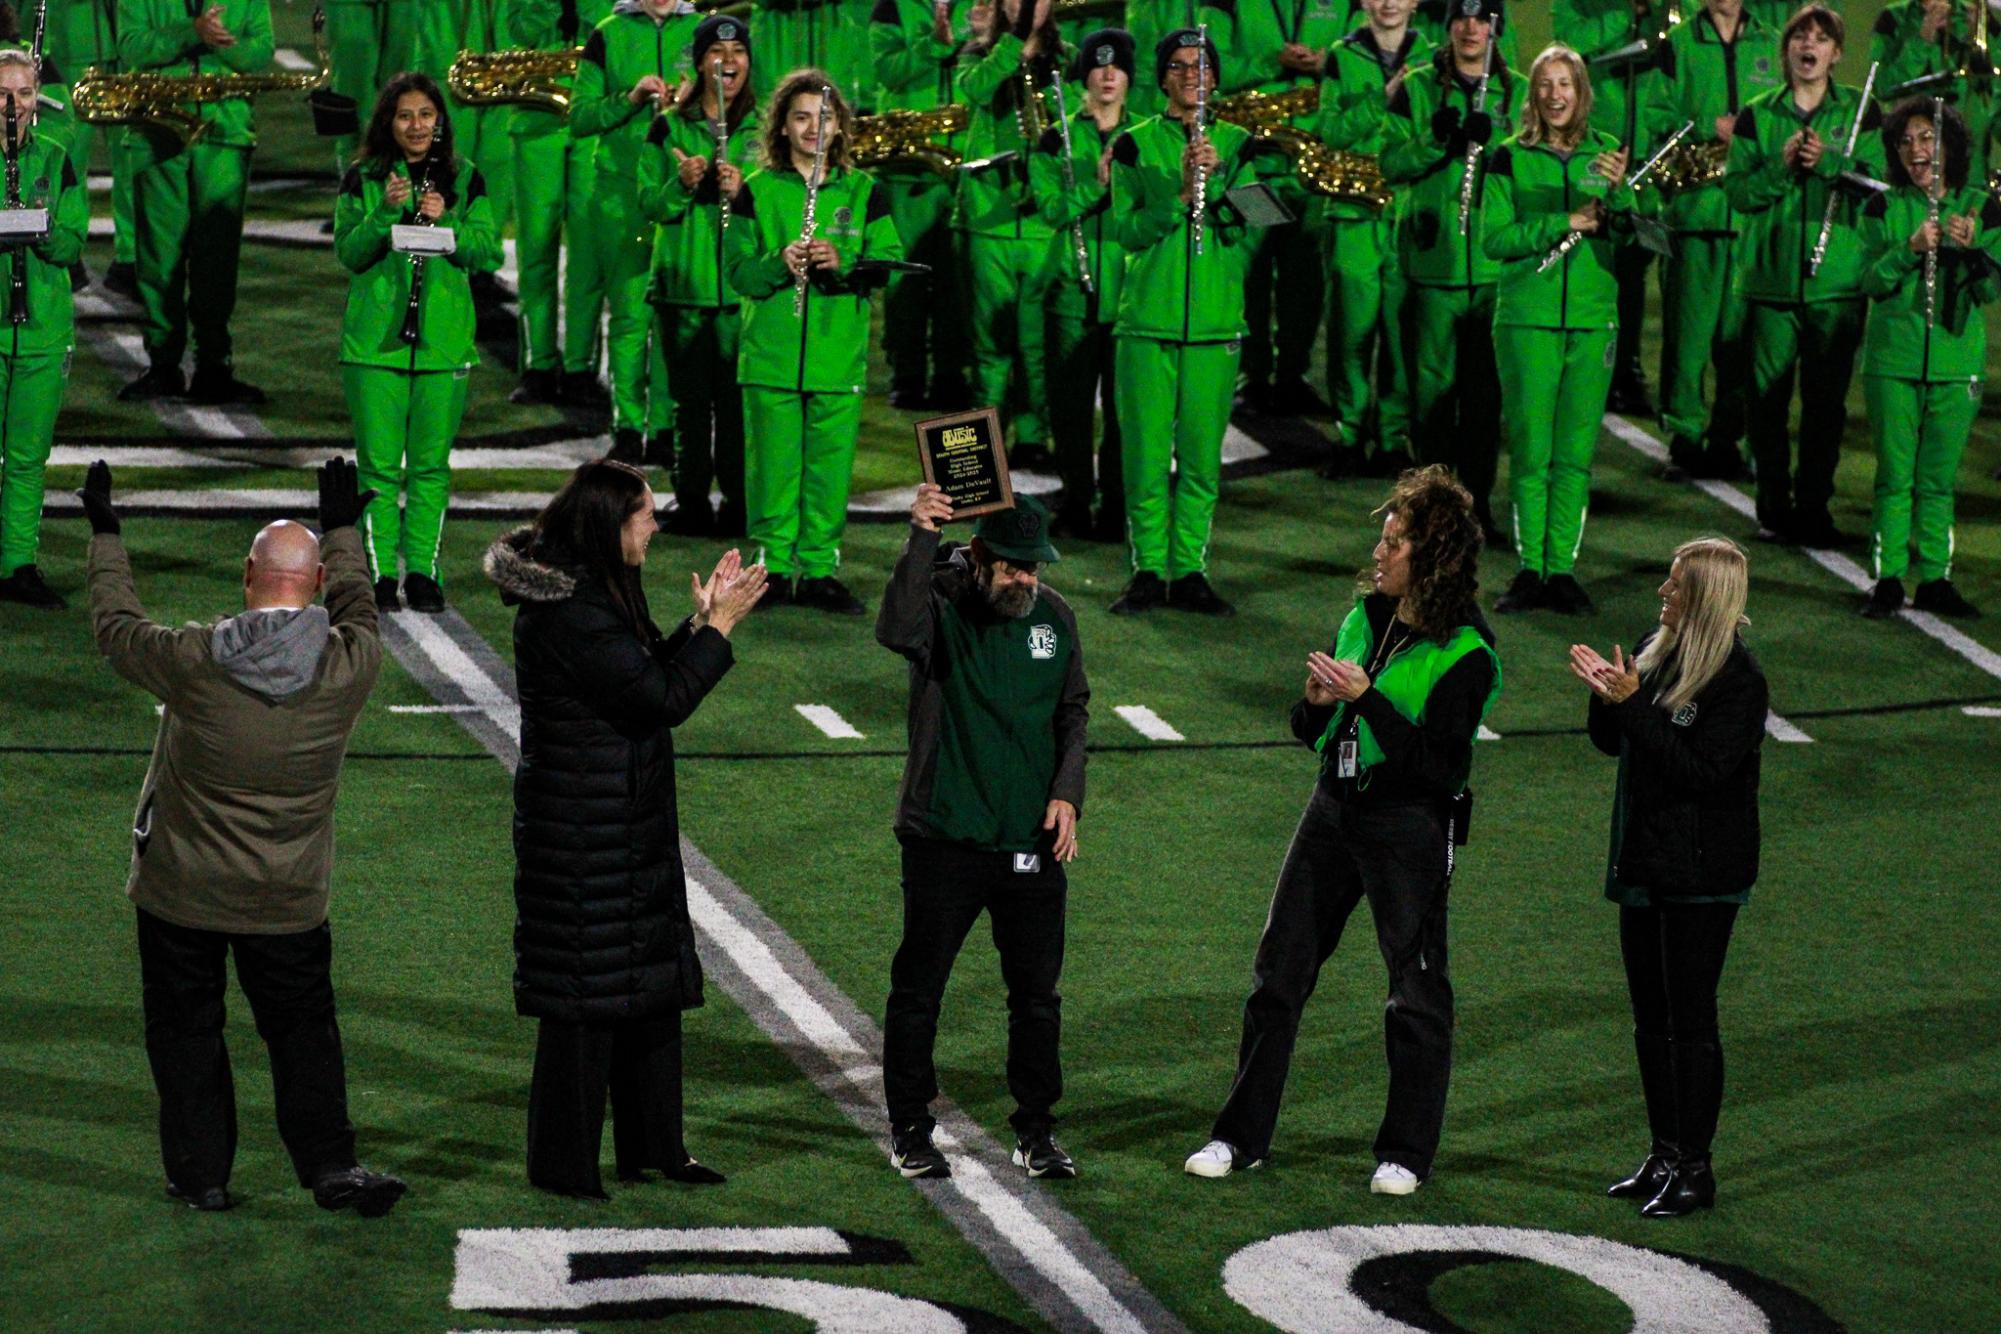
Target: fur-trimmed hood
[{"x": 522, "y": 578}]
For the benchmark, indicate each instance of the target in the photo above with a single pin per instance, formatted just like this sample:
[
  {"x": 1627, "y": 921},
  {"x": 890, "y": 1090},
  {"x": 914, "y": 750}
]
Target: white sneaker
[
  {"x": 1391, "y": 1179},
  {"x": 1215, "y": 1159}
]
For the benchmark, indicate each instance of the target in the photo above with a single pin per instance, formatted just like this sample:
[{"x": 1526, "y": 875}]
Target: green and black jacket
[
  {"x": 47, "y": 181},
  {"x": 1594, "y": 27},
  {"x": 826, "y": 350},
  {"x": 1258, "y": 29},
  {"x": 158, "y": 37},
  {"x": 1531, "y": 193},
  {"x": 1899, "y": 343},
  {"x": 828, "y": 35},
  {"x": 1089, "y": 203},
  {"x": 547, "y": 25},
  {"x": 998, "y": 707},
  {"x": 689, "y": 253},
  {"x": 378, "y": 293},
  {"x": 914, "y": 71},
  {"x": 1897, "y": 45},
  {"x": 1353, "y": 115},
  {"x": 998, "y": 201},
  {"x": 1698, "y": 77},
  {"x": 1782, "y": 207},
  {"x": 1169, "y": 292},
  {"x": 622, "y": 50},
  {"x": 1430, "y": 172}
]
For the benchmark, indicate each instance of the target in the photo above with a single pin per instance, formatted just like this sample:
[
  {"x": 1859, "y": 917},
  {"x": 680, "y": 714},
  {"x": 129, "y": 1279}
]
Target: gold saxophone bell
[
  {"x": 171, "y": 102},
  {"x": 1689, "y": 166},
  {"x": 1333, "y": 173},
  {"x": 909, "y": 139},
  {"x": 520, "y": 78}
]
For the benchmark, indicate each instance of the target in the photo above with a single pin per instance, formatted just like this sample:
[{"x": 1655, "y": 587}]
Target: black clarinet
[
  {"x": 17, "y": 306},
  {"x": 422, "y": 188}
]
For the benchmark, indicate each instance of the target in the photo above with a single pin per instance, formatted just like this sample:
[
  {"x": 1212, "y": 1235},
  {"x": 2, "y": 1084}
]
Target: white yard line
[
  {"x": 435, "y": 708},
  {"x": 1240, "y": 448},
  {"x": 1486, "y": 733},
  {"x": 829, "y": 722},
  {"x": 560, "y": 455},
  {"x": 1780, "y": 730},
  {"x": 282, "y": 501},
  {"x": 1981, "y": 711},
  {"x": 296, "y": 232},
  {"x": 1148, "y": 723}
]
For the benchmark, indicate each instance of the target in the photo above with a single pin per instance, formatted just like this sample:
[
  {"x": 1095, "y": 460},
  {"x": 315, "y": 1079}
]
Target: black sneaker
[
  {"x": 423, "y": 594},
  {"x": 1039, "y": 1153},
  {"x": 1629, "y": 397},
  {"x": 385, "y": 595},
  {"x": 583, "y": 389},
  {"x": 1933, "y": 595},
  {"x": 27, "y": 587},
  {"x": 828, "y": 594},
  {"x": 123, "y": 278},
  {"x": 208, "y": 1199},
  {"x": 1524, "y": 594},
  {"x": 1563, "y": 593},
  {"x": 627, "y": 446},
  {"x": 1146, "y": 592},
  {"x": 159, "y": 381},
  {"x": 1885, "y": 600},
  {"x": 731, "y": 521},
  {"x": 79, "y": 276},
  {"x": 537, "y": 387},
  {"x": 370, "y": 1194},
  {"x": 777, "y": 593},
  {"x": 218, "y": 386},
  {"x": 913, "y": 1154},
  {"x": 1191, "y": 592}
]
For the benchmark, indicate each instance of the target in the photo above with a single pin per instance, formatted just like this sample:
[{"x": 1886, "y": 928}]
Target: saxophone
[
  {"x": 908, "y": 138},
  {"x": 1330, "y": 172},
  {"x": 1692, "y": 165},
  {"x": 162, "y": 101},
  {"x": 523, "y": 78}
]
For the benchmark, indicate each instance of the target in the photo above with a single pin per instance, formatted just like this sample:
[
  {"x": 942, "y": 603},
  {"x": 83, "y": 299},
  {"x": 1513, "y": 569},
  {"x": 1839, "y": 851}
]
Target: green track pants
[
  {"x": 1553, "y": 387},
  {"x": 1174, "y": 405},
  {"x": 1362, "y": 335},
  {"x": 1010, "y": 279},
  {"x": 482, "y": 136},
  {"x": 404, "y": 425},
  {"x": 1083, "y": 374},
  {"x": 1921, "y": 432},
  {"x": 31, "y": 394},
  {"x": 924, "y": 314},
  {"x": 188, "y": 215},
  {"x": 554, "y": 178},
  {"x": 639, "y": 395},
  {"x": 708, "y": 406},
  {"x": 1819, "y": 340},
  {"x": 1283, "y": 302},
  {"x": 123, "y": 248},
  {"x": 368, "y": 44},
  {"x": 799, "y": 461},
  {"x": 1455, "y": 387},
  {"x": 1702, "y": 322}
]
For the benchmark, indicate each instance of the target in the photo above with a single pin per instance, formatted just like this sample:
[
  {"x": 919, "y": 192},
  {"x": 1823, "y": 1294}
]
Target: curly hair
[
  {"x": 1957, "y": 151},
  {"x": 777, "y": 149},
  {"x": 1444, "y": 539}
]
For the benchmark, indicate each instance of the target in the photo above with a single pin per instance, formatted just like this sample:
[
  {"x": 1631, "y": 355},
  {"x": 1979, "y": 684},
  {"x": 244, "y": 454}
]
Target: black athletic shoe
[
  {"x": 1524, "y": 594},
  {"x": 1563, "y": 593},
  {"x": 385, "y": 595},
  {"x": 1645, "y": 1183},
  {"x": 1146, "y": 592},
  {"x": 423, "y": 594},
  {"x": 1629, "y": 397},
  {"x": 1191, "y": 592},
  {"x": 777, "y": 593},
  {"x": 208, "y": 1199},
  {"x": 830, "y": 595},
  {"x": 583, "y": 389},
  {"x": 159, "y": 381},
  {"x": 370, "y": 1194},
  {"x": 1934, "y": 595},
  {"x": 537, "y": 387},
  {"x": 692, "y": 1173},
  {"x": 660, "y": 450},
  {"x": 1690, "y": 1185},
  {"x": 123, "y": 278},
  {"x": 27, "y": 587},
  {"x": 731, "y": 521},
  {"x": 1885, "y": 600},
  {"x": 217, "y": 386},
  {"x": 910, "y": 399},
  {"x": 627, "y": 446},
  {"x": 1038, "y": 1152},
  {"x": 913, "y": 1154},
  {"x": 79, "y": 276}
]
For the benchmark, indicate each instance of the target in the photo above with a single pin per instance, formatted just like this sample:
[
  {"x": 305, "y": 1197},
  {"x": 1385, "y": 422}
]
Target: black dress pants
[
  {"x": 576, "y": 1065},
  {"x": 1674, "y": 963},
  {"x": 289, "y": 985},
  {"x": 945, "y": 888},
  {"x": 1399, "y": 858}
]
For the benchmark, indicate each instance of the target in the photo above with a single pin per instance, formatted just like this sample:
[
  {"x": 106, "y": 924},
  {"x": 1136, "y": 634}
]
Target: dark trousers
[
  {"x": 287, "y": 980},
  {"x": 1080, "y": 377},
  {"x": 1286, "y": 279},
  {"x": 1817, "y": 344},
  {"x": 945, "y": 888},
  {"x": 576, "y": 1065},
  {"x": 1629, "y": 269},
  {"x": 1674, "y": 961},
  {"x": 1399, "y": 858}
]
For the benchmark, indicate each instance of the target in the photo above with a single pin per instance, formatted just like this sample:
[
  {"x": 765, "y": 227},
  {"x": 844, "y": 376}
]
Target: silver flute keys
[
  {"x": 1936, "y": 194},
  {"x": 722, "y": 128},
  {"x": 1201, "y": 134},
  {"x": 1834, "y": 191},
  {"x": 812, "y": 198},
  {"x": 1077, "y": 246},
  {"x": 1573, "y": 239}
]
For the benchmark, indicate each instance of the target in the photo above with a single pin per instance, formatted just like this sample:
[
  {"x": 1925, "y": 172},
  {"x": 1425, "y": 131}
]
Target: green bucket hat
[{"x": 1020, "y": 534}]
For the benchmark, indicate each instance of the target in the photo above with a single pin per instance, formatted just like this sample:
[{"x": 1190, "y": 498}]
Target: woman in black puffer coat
[
  {"x": 604, "y": 952},
  {"x": 1685, "y": 717}
]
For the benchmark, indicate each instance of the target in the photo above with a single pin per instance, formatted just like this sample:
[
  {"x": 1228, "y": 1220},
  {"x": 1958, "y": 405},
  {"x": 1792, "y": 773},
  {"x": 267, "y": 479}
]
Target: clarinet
[
  {"x": 418, "y": 191},
  {"x": 1572, "y": 240},
  {"x": 722, "y": 128},
  {"x": 1472, "y": 163},
  {"x": 812, "y": 199},
  {"x": 1834, "y": 192},
  {"x": 1077, "y": 245},
  {"x": 1936, "y": 193},
  {"x": 1201, "y": 135},
  {"x": 17, "y": 305}
]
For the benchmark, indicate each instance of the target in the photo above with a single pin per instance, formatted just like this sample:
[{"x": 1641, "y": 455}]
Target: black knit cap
[
  {"x": 1489, "y": 10},
  {"x": 1106, "y": 46},
  {"x": 719, "y": 28},
  {"x": 1180, "y": 38}
]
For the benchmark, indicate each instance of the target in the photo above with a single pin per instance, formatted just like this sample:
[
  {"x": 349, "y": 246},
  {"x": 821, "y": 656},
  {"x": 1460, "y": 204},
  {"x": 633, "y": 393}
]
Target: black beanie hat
[
  {"x": 1106, "y": 46},
  {"x": 718, "y": 28},
  {"x": 1163, "y": 52},
  {"x": 1489, "y": 10}
]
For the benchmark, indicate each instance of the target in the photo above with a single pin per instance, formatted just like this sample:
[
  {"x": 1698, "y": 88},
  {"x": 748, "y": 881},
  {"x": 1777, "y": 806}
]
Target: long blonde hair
[
  {"x": 1530, "y": 127},
  {"x": 1715, "y": 578}
]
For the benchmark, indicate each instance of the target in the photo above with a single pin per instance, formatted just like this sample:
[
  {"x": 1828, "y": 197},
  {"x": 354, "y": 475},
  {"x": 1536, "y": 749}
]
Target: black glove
[
  {"x": 96, "y": 498},
  {"x": 341, "y": 501},
  {"x": 1445, "y": 124},
  {"x": 1479, "y": 127}
]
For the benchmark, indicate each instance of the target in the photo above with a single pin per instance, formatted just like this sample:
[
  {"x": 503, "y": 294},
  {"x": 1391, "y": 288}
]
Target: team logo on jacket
[
  {"x": 1684, "y": 715},
  {"x": 1042, "y": 641},
  {"x": 844, "y": 216}
]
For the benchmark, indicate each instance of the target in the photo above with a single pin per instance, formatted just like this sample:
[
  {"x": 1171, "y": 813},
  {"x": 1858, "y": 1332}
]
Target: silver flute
[
  {"x": 1936, "y": 193},
  {"x": 1201, "y": 135},
  {"x": 1833, "y": 191},
  {"x": 1077, "y": 246},
  {"x": 812, "y": 198},
  {"x": 722, "y": 129},
  {"x": 1573, "y": 239},
  {"x": 1474, "y": 150}
]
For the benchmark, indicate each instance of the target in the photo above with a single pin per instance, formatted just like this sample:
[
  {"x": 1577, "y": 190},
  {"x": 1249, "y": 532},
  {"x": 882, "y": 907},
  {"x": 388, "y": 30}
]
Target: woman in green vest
[
  {"x": 406, "y": 345},
  {"x": 1392, "y": 710}
]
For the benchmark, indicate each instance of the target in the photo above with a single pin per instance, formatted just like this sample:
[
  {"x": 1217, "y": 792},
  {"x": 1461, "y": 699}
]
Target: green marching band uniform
[
  {"x": 1368, "y": 283},
  {"x": 83, "y": 33},
  {"x": 1179, "y": 329},
  {"x": 35, "y": 358},
  {"x": 803, "y": 376},
  {"x": 369, "y": 42},
  {"x": 700, "y": 324},
  {"x": 1149, "y": 21},
  {"x": 1795, "y": 322},
  {"x": 555, "y": 182},
  {"x": 830, "y": 35},
  {"x": 1553, "y": 333},
  {"x": 917, "y": 72},
  {"x": 188, "y": 198},
  {"x": 1699, "y": 77},
  {"x": 1448, "y": 315},
  {"x": 406, "y": 398},
  {"x": 1922, "y": 378},
  {"x": 1904, "y": 55},
  {"x": 1080, "y": 344},
  {"x": 484, "y": 133},
  {"x": 628, "y": 46}
]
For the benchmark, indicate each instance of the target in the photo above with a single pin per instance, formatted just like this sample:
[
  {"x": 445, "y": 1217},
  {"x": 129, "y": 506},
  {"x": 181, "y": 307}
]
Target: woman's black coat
[{"x": 601, "y": 932}]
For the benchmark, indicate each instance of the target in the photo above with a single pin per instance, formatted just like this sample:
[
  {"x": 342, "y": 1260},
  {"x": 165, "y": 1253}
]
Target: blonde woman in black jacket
[{"x": 1685, "y": 717}]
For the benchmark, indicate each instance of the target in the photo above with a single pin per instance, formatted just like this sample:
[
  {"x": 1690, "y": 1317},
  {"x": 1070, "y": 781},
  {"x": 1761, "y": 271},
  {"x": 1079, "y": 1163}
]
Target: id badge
[
  {"x": 1345, "y": 759},
  {"x": 1027, "y": 863}
]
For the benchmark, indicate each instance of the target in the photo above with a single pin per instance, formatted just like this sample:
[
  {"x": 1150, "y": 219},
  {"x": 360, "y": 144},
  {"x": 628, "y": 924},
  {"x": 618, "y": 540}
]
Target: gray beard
[{"x": 1010, "y": 603}]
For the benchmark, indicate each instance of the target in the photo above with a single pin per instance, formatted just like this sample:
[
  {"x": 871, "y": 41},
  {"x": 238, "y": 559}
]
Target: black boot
[
  {"x": 1698, "y": 1098},
  {"x": 1657, "y": 1087},
  {"x": 1690, "y": 1185}
]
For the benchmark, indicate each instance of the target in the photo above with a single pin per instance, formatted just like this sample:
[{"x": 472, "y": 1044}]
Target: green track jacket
[
  {"x": 47, "y": 181},
  {"x": 826, "y": 352},
  {"x": 1897, "y": 43},
  {"x": 1170, "y": 292},
  {"x": 1531, "y": 193},
  {"x": 540, "y": 25},
  {"x": 158, "y": 36},
  {"x": 1699, "y": 77},
  {"x": 1353, "y": 115},
  {"x": 1259, "y": 28},
  {"x": 1899, "y": 342},
  {"x": 1090, "y": 203},
  {"x": 914, "y": 72},
  {"x": 828, "y": 35},
  {"x": 622, "y": 50},
  {"x": 378, "y": 293},
  {"x": 1430, "y": 174},
  {"x": 998, "y": 202},
  {"x": 1783, "y": 207},
  {"x": 1594, "y": 27},
  {"x": 688, "y": 246}
]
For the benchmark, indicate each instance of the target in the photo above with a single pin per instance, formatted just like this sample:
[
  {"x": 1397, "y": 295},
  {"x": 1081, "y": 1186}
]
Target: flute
[
  {"x": 418, "y": 191},
  {"x": 1201, "y": 134},
  {"x": 1936, "y": 193},
  {"x": 1833, "y": 192},
  {"x": 1077, "y": 246},
  {"x": 1572, "y": 239},
  {"x": 812, "y": 198},
  {"x": 722, "y": 128},
  {"x": 1473, "y": 150}
]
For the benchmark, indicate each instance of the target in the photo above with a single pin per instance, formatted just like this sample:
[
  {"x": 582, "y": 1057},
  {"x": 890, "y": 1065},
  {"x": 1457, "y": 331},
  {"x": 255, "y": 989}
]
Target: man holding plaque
[{"x": 988, "y": 814}]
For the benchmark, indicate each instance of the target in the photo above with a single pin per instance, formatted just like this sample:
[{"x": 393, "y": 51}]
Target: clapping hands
[
  {"x": 1614, "y": 681},
  {"x": 732, "y": 590}
]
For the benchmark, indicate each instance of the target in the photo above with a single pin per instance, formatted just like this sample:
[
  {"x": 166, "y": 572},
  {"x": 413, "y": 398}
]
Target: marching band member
[
  {"x": 829, "y": 35},
  {"x": 1939, "y": 46},
  {"x": 1805, "y": 306},
  {"x": 81, "y": 33},
  {"x": 1926, "y": 357},
  {"x": 804, "y": 352},
  {"x": 369, "y": 42},
  {"x": 485, "y": 133},
  {"x": 1554, "y": 324},
  {"x": 682, "y": 187},
  {"x": 407, "y": 338}
]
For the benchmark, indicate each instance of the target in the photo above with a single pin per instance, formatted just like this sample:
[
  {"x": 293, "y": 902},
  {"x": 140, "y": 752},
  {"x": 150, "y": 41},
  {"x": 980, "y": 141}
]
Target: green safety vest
[{"x": 1406, "y": 680}]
